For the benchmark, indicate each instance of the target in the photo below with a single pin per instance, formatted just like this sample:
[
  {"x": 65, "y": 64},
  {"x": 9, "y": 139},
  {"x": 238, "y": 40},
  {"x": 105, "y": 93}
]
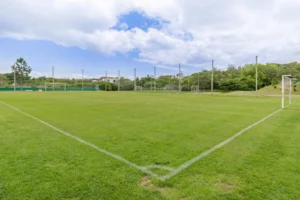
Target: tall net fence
[
  {"x": 54, "y": 80},
  {"x": 138, "y": 80},
  {"x": 11, "y": 81},
  {"x": 249, "y": 79}
]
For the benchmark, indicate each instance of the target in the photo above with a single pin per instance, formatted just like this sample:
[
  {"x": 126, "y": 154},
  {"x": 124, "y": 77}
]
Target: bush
[
  {"x": 275, "y": 86},
  {"x": 245, "y": 83},
  {"x": 109, "y": 86},
  {"x": 295, "y": 87}
]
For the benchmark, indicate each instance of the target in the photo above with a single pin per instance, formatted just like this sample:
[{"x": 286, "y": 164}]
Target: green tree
[
  {"x": 126, "y": 84},
  {"x": 271, "y": 72},
  {"x": 109, "y": 86},
  {"x": 145, "y": 81},
  {"x": 232, "y": 72},
  {"x": 163, "y": 81},
  {"x": 3, "y": 80},
  {"x": 22, "y": 70}
]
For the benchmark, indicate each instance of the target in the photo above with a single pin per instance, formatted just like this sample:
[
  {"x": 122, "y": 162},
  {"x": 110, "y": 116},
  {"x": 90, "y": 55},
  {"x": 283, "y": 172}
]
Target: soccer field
[{"x": 126, "y": 145}]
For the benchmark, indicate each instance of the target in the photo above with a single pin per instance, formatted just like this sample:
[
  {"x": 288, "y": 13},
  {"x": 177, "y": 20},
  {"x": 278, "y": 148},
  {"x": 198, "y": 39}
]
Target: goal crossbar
[
  {"x": 138, "y": 88},
  {"x": 55, "y": 84},
  {"x": 195, "y": 88}
]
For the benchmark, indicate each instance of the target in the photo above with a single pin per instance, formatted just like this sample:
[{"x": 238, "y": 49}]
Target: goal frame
[
  {"x": 46, "y": 84},
  {"x": 170, "y": 88},
  {"x": 195, "y": 88},
  {"x": 284, "y": 77},
  {"x": 139, "y": 88}
]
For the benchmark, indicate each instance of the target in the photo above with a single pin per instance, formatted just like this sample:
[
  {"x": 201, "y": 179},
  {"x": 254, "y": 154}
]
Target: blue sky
[
  {"x": 102, "y": 35},
  {"x": 137, "y": 19},
  {"x": 69, "y": 61}
]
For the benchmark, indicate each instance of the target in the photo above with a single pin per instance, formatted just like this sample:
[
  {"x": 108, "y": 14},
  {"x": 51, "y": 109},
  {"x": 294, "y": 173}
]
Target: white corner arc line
[
  {"x": 143, "y": 169},
  {"x": 202, "y": 155}
]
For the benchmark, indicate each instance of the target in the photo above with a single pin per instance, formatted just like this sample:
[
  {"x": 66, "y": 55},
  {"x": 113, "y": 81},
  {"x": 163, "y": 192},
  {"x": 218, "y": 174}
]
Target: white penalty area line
[{"x": 141, "y": 168}]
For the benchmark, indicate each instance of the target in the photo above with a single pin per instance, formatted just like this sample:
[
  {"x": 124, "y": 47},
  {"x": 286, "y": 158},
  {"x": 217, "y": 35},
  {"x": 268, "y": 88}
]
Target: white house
[{"x": 109, "y": 79}]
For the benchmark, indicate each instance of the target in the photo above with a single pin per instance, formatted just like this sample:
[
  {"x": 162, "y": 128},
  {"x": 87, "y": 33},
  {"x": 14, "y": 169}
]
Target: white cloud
[
  {"x": 231, "y": 32},
  {"x": 79, "y": 76},
  {"x": 37, "y": 74},
  {"x": 124, "y": 26}
]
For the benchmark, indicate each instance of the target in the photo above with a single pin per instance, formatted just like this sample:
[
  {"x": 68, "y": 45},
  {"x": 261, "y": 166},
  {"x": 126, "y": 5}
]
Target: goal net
[
  {"x": 194, "y": 88},
  {"x": 55, "y": 87},
  {"x": 138, "y": 88},
  {"x": 286, "y": 86},
  {"x": 171, "y": 88}
]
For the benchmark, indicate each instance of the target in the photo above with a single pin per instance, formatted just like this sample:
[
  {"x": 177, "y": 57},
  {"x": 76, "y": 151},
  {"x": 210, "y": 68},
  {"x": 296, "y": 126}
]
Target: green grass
[{"x": 37, "y": 162}]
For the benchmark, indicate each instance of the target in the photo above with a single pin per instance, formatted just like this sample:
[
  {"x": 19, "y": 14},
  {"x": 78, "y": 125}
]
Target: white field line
[
  {"x": 143, "y": 169},
  {"x": 202, "y": 155}
]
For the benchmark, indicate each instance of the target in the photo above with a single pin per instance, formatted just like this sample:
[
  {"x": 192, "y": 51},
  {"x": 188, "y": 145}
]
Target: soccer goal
[
  {"x": 286, "y": 87},
  {"x": 138, "y": 88},
  {"x": 194, "y": 88},
  {"x": 170, "y": 87},
  {"x": 55, "y": 87}
]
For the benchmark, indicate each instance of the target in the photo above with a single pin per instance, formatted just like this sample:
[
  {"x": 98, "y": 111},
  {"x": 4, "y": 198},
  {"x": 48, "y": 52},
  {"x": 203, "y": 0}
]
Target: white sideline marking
[
  {"x": 202, "y": 155},
  {"x": 143, "y": 169}
]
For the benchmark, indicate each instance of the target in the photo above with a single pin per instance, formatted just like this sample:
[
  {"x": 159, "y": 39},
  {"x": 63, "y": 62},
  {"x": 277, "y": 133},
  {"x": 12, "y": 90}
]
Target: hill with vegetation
[{"x": 233, "y": 78}]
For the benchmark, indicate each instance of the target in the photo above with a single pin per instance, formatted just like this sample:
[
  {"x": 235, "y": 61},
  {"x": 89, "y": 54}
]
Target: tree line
[{"x": 230, "y": 79}]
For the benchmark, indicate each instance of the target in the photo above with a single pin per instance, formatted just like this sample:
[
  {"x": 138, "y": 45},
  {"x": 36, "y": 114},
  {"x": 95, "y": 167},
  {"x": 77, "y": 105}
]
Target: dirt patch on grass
[
  {"x": 225, "y": 187},
  {"x": 146, "y": 183}
]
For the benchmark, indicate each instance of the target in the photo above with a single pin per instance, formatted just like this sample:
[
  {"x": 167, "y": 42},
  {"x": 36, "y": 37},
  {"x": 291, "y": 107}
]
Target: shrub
[{"x": 109, "y": 86}]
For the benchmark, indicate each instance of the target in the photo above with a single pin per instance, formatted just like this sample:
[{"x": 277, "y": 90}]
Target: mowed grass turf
[{"x": 37, "y": 162}]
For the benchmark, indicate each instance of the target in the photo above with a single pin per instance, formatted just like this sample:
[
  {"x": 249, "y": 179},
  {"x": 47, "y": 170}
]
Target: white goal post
[
  {"x": 286, "y": 84},
  {"x": 139, "y": 88},
  {"x": 170, "y": 87},
  {"x": 52, "y": 86},
  {"x": 195, "y": 88}
]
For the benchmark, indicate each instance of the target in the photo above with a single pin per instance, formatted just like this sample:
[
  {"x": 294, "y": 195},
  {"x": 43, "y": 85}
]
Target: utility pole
[
  {"x": 188, "y": 88},
  {"x": 179, "y": 77},
  {"x": 212, "y": 76},
  {"x": 290, "y": 94},
  {"x": 134, "y": 79},
  {"x": 256, "y": 75},
  {"x": 82, "y": 81},
  {"x": 52, "y": 78},
  {"x": 119, "y": 80},
  {"x": 154, "y": 78},
  {"x": 15, "y": 77},
  {"x": 198, "y": 82},
  {"x": 105, "y": 80}
]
